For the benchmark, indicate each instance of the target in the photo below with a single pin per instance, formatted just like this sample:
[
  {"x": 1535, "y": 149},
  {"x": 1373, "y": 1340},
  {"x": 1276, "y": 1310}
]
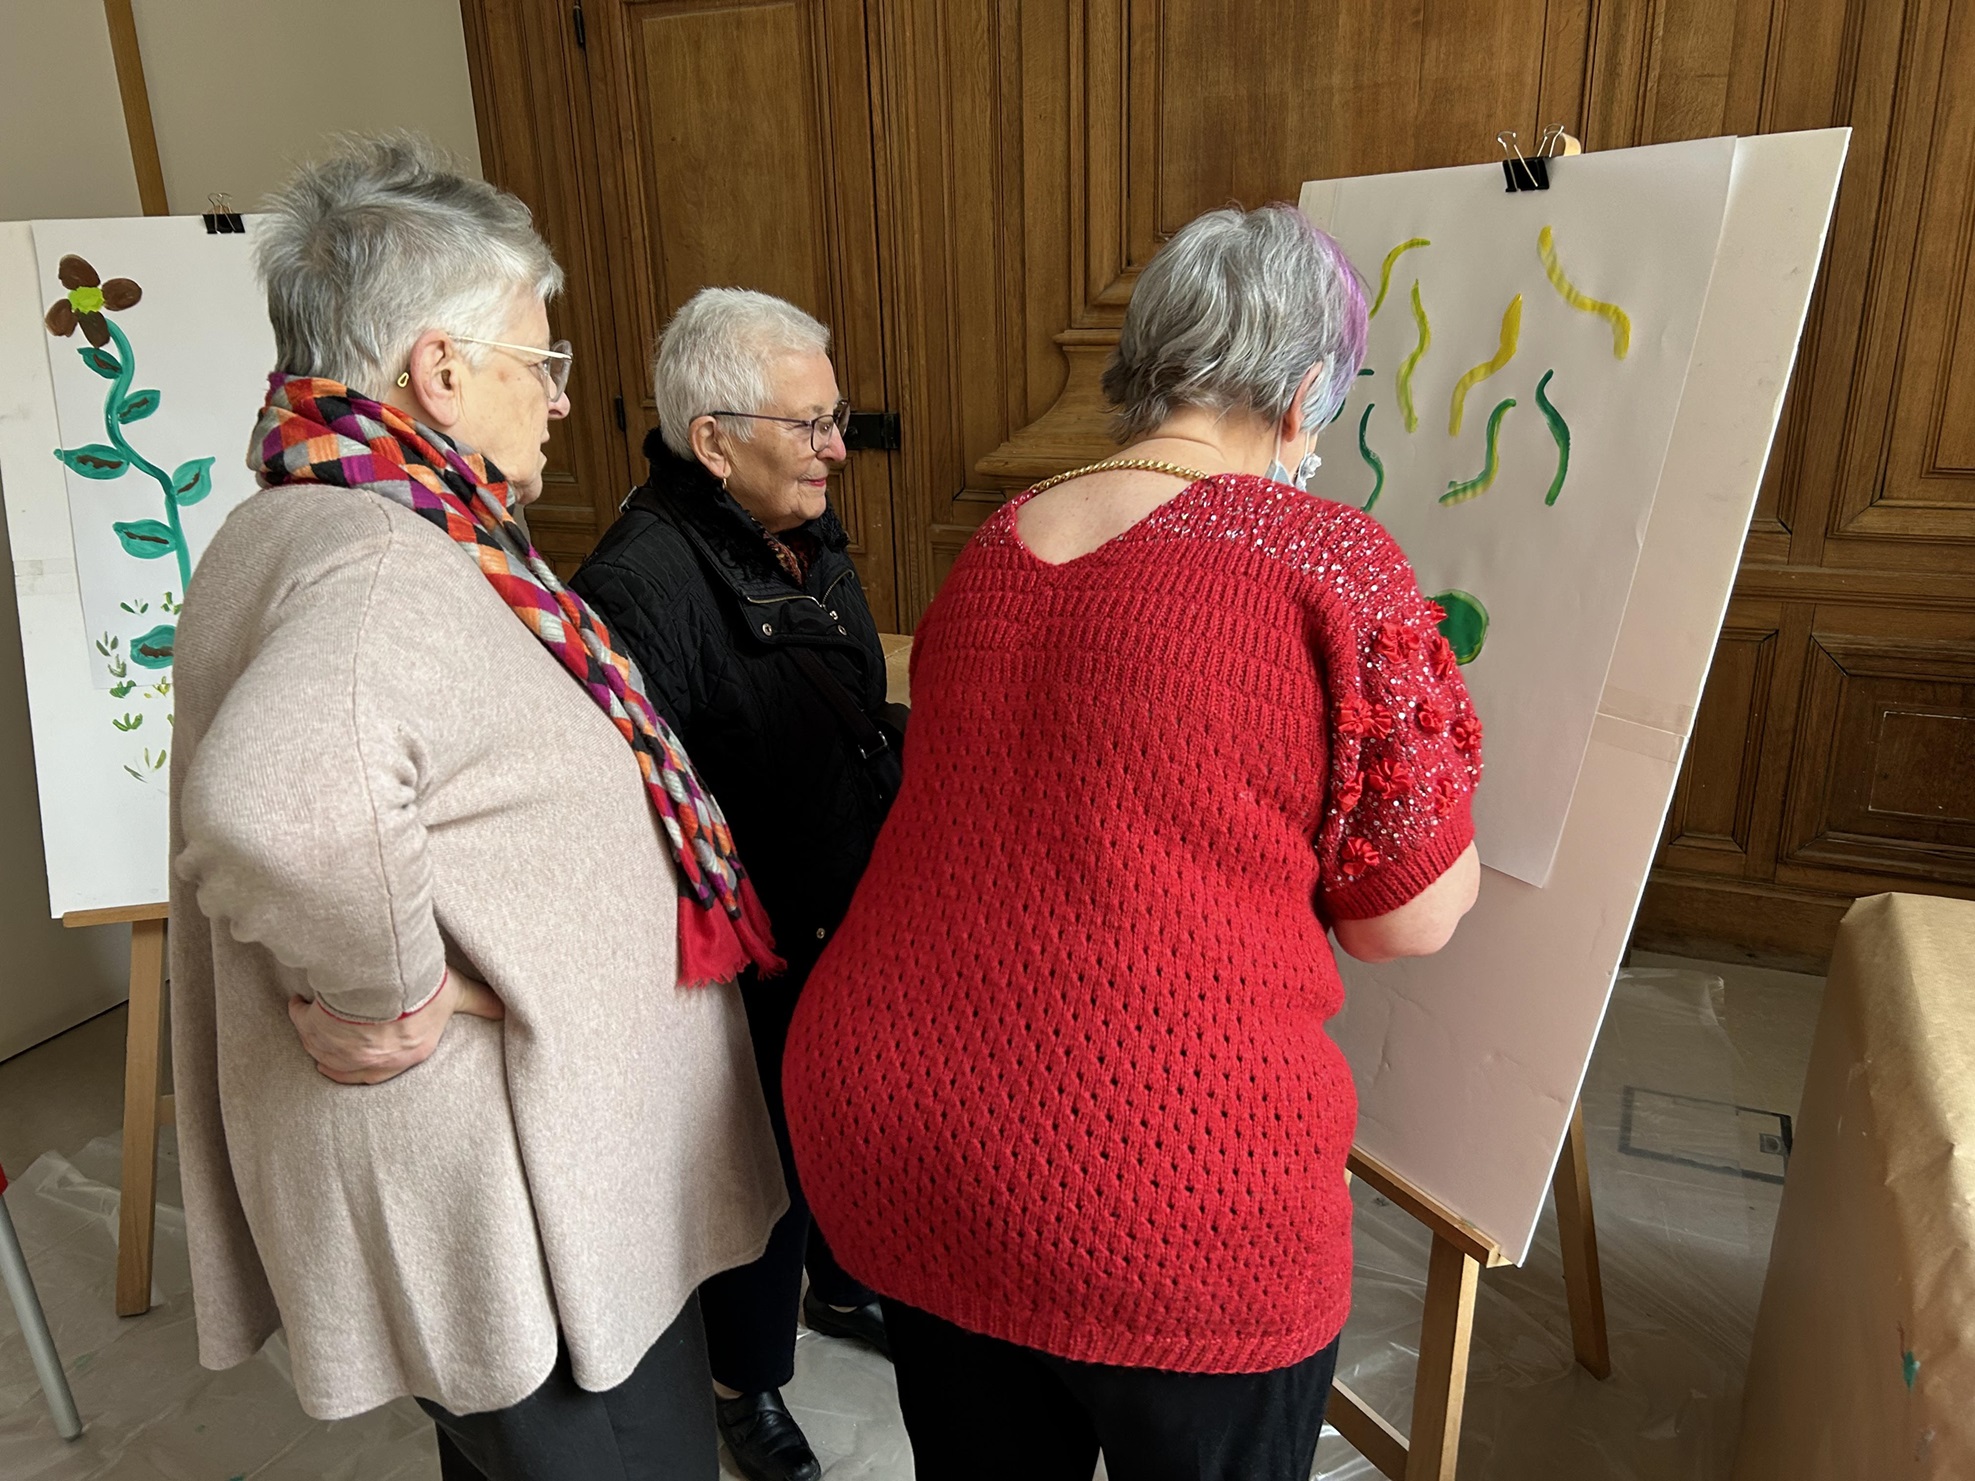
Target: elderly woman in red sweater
[{"x": 1176, "y": 722}]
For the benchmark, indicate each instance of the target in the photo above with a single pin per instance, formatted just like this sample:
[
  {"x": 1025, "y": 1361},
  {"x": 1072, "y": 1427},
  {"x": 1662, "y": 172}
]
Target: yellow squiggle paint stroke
[
  {"x": 1385, "y": 271},
  {"x": 1504, "y": 353},
  {"x": 1405, "y": 383},
  {"x": 1620, "y": 321}
]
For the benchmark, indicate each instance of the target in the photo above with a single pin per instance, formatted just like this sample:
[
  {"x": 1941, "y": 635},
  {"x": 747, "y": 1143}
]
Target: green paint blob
[
  {"x": 1371, "y": 458},
  {"x": 1909, "y": 1369},
  {"x": 86, "y": 300},
  {"x": 1465, "y": 626}
]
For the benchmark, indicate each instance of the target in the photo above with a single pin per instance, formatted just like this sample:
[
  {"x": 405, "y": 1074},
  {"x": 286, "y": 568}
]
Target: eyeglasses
[
  {"x": 554, "y": 363},
  {"x": 821, "y": 429}
]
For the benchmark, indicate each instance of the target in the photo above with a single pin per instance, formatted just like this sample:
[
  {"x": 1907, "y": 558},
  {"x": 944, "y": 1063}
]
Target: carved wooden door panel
[{"x": 736, "y": 145}]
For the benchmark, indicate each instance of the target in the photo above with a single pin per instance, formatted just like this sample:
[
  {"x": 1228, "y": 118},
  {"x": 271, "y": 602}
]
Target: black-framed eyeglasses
[{"x": 821, "y": 429}]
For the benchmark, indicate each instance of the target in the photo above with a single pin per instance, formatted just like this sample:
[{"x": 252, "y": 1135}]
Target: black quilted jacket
[{"x": 688, "y": 586}]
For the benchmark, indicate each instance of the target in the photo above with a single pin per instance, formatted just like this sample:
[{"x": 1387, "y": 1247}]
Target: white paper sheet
[
  {"x": 1633, "y": 228},
  {"x": 1468, "y": 1063},
  {"x": 96, "y": 618}
]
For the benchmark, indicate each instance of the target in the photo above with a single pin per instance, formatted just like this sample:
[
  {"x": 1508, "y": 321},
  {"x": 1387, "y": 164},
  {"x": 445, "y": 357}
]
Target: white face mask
[{"x": 1305, "y": 470}]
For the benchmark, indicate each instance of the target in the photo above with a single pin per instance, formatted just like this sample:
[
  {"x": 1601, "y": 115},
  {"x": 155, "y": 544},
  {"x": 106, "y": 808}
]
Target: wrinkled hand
[{"x": 371, "y": 1053}]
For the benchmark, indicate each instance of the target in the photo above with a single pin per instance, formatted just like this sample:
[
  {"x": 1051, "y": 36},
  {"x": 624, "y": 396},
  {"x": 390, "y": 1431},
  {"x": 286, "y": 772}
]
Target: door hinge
[
  {"x": 872, "y": 432},
  {"x": 582, "y": 31},
  {"x": 619, "y": 401}
]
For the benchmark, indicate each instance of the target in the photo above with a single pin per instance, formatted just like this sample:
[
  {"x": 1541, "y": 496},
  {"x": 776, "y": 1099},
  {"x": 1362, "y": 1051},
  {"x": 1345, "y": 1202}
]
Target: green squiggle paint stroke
[
  {"x": 1371, "y": 458},
  {"x": 1385, "y": 270},
  {"x": 1560, "y": 430},
  {"x": 1412, "y": 418},
  {"x": 1463, "y": 489},
  {"x": 1504, "y": 353},
  {"x": 1366, "y": 370},
  {"x": 1621, "y": 322}
]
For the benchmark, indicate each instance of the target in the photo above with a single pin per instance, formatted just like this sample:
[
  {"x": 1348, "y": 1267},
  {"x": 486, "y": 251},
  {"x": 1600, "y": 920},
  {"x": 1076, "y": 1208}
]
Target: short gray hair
[
  {"x": 1231, "y": 313},
  {"x": 363, "y": 252},
  {"x": 714, "y": 356}
]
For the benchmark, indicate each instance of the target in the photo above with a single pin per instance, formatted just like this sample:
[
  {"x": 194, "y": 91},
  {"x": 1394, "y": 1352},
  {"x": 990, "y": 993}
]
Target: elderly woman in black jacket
[{"x": 726, "y": 579}]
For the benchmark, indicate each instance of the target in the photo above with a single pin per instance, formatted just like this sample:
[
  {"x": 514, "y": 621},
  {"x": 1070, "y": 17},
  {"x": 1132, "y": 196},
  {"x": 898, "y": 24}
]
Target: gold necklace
[{"x": 1149, "y": 465}]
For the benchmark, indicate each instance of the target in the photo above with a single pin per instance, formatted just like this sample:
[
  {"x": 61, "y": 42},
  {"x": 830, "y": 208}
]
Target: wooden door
[
  {"x": 736, "y": 144},
  {"x": 1042, "y": 148}
]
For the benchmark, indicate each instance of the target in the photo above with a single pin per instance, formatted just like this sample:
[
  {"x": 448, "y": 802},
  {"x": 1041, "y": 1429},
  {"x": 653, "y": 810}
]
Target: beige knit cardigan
[{"x": 378, "y": 770}]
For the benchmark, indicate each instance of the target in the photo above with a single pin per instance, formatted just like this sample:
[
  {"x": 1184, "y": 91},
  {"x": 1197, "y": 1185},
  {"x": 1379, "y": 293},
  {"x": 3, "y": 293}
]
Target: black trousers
[
  {"x": 657, "y": 1425},
  {"x": 979, "y": 1409},
  {"x": 751, "y": 1310}
]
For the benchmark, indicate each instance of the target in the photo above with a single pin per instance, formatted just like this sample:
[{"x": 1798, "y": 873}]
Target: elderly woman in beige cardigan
[{"x": 415, "y": 790}]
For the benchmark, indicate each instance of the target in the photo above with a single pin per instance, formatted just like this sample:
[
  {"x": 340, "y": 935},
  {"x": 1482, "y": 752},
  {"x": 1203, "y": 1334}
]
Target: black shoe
[
  {"x": 865, "y": 1324},
  {"x": 764, "y": 1439}
]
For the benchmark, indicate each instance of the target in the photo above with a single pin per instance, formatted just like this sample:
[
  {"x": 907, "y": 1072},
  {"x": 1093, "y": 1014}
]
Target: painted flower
[
  {"x": 1389, "y": 776},
  {"x": 1357, "y": 857},
  {"x": 1346, "y": 794},
  {"x": 1446, "y": 796},
  {"x": 1349, "y": 715},
  {"x": 82, "y": 306},
  {"x": 1430, "y": 715},
  {"x": 1395, "y": 640}
]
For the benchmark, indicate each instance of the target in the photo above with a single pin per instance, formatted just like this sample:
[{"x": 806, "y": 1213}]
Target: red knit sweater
[{"x": 1062, "y": 1078}]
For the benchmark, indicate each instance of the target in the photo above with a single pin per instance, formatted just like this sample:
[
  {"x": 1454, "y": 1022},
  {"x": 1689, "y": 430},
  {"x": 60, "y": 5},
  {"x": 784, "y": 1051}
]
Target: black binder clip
[
  {"x": 1523, "y": 173},
  {"x": 223, "y": 220}
]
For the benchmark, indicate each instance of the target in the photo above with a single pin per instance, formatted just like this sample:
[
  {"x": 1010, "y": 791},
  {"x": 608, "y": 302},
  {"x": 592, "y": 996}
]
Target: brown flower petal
[
  {"x": 95, "y": 328},
  {"x": 75, "y": 272},
  {"x": 61, "y": 318},
  {"x": 121, "y": 293}
]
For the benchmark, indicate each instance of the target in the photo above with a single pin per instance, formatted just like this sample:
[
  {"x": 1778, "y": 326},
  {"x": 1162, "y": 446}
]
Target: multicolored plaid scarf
[{"x": 318, "y": 431}]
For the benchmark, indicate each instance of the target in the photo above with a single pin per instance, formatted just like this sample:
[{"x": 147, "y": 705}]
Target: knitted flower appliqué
[
  {"x": 1358, "y": 856},
  {"x": 1466, "y": 731},
  {"x": 1349, "y": 715},
  {"x": 1389, "y": 776},
  {"x": 1446, "y": 796},
  {"x": 1346, "y": 795},
  {"x": 1395, "y": 640},
  {"x": 1430, "y": 715},
  {"x": 1381, "y": 721}
]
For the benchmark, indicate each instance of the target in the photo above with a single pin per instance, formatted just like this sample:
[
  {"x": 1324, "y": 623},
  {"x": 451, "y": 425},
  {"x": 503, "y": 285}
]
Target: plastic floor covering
[{"x": 1687, "y": 1106}]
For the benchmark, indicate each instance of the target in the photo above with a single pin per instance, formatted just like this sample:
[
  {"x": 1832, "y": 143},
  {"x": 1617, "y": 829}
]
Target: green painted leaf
[
  {"x": 147, "y": 539},
  {"x": 154, "y": 649},
  {"x": 97, "y": 460},
  {"x": 101, "y": 361},
  {"x": 193, "y": 481},
  {"x": 1465, "y": 627},
  {"x": 138, "y": 405}
]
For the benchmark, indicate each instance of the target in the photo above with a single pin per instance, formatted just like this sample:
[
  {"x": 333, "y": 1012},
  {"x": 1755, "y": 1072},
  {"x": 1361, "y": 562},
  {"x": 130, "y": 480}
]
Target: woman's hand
[{"x": 371, "y": 1053}]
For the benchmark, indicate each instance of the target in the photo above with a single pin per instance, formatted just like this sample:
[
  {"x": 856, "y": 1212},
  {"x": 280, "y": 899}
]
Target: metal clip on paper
[
  {"x": 1532, "y": 172},
  {"x": 223, "y": 220}
]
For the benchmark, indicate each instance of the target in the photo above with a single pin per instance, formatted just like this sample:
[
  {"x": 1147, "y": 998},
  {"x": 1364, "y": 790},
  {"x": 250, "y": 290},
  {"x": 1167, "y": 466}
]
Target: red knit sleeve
[{"x": 1405, "y": 743}]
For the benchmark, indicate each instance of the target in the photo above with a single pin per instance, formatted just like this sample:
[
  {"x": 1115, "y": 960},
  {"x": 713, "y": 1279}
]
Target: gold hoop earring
[{"x": 404, "y": 377}]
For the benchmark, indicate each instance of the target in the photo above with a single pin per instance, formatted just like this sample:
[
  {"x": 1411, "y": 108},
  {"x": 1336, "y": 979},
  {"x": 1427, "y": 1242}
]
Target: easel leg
[
  {"x": 143, "y": 1051},
  {"x": 1577, "y": 1234},
  {"x": 1440, "y": 1391}
]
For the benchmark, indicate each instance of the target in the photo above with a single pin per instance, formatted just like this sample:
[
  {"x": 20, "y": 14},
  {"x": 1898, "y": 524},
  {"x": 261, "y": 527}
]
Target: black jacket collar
[{"x": 685, "y": 486}]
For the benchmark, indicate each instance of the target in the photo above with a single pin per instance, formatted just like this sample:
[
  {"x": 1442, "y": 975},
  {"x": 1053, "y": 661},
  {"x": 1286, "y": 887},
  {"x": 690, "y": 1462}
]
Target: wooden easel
[
  {"x": 144, "y": 1110},
  {"x": 1460, "y": 1253}
]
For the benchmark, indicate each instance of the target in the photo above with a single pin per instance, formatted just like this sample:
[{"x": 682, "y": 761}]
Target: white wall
[
  {"x": 240, "y": 91},
  {"x": 243, "y": 90}
]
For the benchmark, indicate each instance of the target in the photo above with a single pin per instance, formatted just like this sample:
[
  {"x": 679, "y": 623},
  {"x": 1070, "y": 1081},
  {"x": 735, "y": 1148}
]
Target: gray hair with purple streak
[{"x": 1231, "y": 314}]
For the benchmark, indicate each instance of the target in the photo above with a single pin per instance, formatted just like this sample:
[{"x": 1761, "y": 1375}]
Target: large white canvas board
[
  {"x": 1633, "y": 228},
  {"x": 1468, "y": 1063},
  {"x": 199, "y": 338}
]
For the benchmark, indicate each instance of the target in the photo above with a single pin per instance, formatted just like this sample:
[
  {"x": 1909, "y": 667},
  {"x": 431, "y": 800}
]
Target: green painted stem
[{"x": 120, "y": 388}]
